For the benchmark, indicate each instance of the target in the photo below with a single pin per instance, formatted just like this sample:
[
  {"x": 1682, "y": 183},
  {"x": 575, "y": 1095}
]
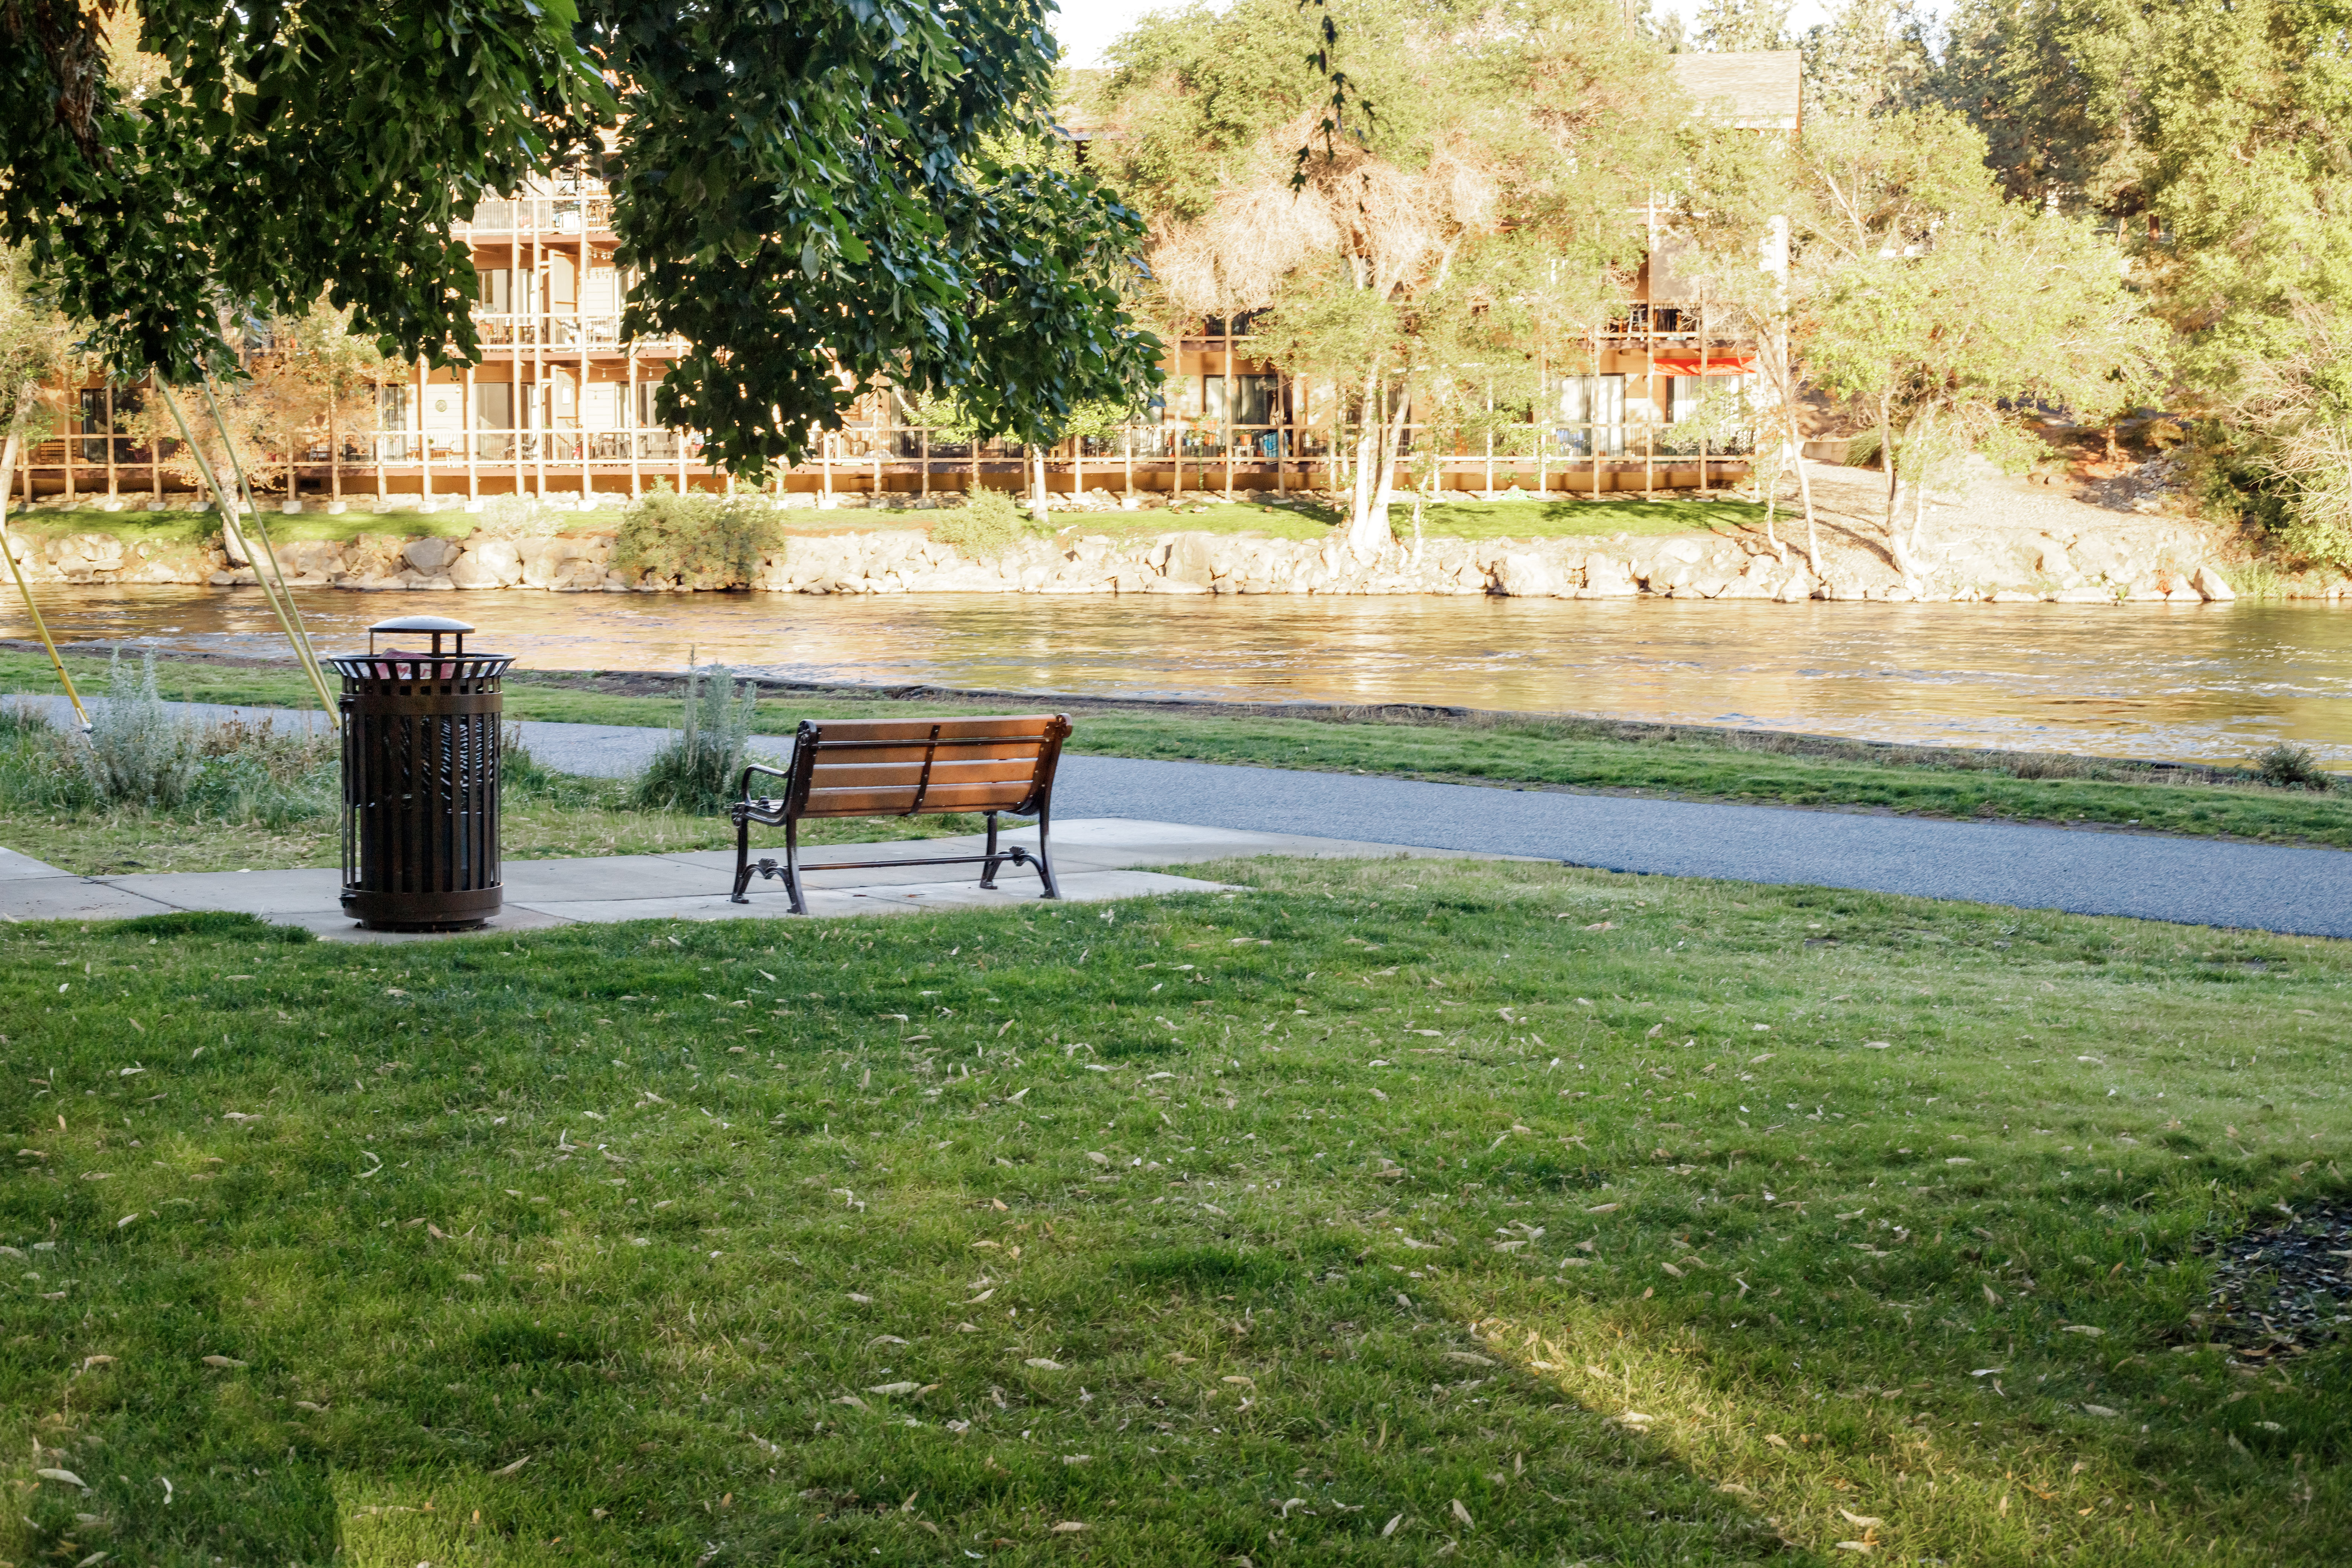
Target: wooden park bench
[{"x": 906, "y": 767}]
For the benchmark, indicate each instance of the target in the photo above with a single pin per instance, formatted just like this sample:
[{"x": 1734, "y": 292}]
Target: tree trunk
[
  {"x": 1391, "y": 438},
  {"x": 1887, "y": 460},
  {"x": 1371, "y": 426},
  {"x": 1917, "y": 440},
  {"x": 1813, "y": 530}
]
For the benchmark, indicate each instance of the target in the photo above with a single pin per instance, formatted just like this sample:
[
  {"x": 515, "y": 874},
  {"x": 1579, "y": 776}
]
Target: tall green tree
[
  {"x": 1916, "y": 292},
  {"x": 803, "y": 189},
  {"x": 1491, "y": 213},
  {"x": 813, "y": 189},
  {"x": 1868, "y": 56},
  {"x": 2210, "y": 136},
  {"x": 1739, "y": 25},
  {"x": 266, "y": 154}
]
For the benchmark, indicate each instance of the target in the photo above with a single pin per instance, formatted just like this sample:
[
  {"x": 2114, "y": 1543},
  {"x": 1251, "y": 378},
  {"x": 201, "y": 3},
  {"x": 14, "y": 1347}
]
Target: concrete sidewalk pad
[{"x": 1094, "y": 860}]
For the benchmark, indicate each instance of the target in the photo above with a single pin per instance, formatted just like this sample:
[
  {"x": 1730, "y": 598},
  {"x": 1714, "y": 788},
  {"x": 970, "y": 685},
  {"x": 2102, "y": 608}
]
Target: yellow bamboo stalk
[
  {"x": 228, "y": 506},
  {"x": 300, "y": 635},
  {"x": 41, "y": 628}
]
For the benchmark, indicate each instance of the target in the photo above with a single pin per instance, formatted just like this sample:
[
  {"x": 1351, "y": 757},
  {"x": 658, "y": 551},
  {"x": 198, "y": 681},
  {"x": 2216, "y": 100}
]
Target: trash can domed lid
[{"x": 420, "y": 623}]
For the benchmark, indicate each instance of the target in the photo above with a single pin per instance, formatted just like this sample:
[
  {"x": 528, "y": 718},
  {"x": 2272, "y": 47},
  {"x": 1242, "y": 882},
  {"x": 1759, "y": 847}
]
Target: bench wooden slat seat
[{"x": 906, "y": 767}]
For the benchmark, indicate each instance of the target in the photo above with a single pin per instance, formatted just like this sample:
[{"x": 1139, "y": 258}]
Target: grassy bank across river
[
  {"x": 1485, "y": 1212},
  {"x": 1514, "y": 751},
  {"x": 1560, "y": 516}
]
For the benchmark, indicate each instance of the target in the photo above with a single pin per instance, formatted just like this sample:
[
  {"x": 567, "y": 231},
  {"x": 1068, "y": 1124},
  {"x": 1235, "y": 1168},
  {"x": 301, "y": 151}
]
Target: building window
[
  {"x": 1592, "y": 415},
  {"x": 94, "y": 422},
  {"x": 494, "y": 407},
  {"x": 1255, "y": 399}
]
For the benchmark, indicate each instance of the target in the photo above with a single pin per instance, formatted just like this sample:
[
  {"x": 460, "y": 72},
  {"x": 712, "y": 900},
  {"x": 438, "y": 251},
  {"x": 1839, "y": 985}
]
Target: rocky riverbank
[{"x": 2151, "y": 559}]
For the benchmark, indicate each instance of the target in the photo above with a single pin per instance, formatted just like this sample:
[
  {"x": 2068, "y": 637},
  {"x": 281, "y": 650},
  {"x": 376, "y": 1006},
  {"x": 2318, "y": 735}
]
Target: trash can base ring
[{"x": 465, "y": 911}]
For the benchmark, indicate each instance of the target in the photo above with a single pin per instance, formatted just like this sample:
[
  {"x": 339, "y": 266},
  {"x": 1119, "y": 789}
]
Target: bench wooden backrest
[{"x": 881, "y": 767}]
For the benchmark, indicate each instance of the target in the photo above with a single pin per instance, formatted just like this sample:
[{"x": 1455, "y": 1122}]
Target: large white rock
[
  {"x": 1608, "y": 577},
  {"x": 545, "y": 562},
  {"x": 489, "y": 564},
  {"x": 430, "y": 557},
  {"x": 1525, "y": 577}
]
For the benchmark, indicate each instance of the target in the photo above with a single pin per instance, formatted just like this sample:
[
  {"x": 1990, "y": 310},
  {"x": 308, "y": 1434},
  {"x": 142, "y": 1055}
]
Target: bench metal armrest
[{"x": 745, "y": 806}]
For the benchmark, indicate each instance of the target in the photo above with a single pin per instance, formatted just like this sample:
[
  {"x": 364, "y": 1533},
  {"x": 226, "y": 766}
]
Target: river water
[{"x": 2202, "y": 683}]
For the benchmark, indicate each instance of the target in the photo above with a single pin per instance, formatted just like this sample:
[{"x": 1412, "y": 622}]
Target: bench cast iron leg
[
  {"x": 1044, "y": 862},
  {"x": 793, "y": 865},
  {"x": 742, "y": 857},
  {"x": 988, "y": 867}
]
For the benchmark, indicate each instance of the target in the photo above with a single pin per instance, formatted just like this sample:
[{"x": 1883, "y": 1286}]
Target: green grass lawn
[
  {"x": 1561, "y": 517},
  {"x": 1531, "y": 518},
  {"x": 1381, "y": 1212},
  {"x": 1557, "y": 754},
  {"x": 191, "y": 529}
]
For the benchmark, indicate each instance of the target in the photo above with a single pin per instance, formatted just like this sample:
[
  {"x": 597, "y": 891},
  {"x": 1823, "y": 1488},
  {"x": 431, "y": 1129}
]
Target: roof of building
[{"x": 1757, "y": 89}]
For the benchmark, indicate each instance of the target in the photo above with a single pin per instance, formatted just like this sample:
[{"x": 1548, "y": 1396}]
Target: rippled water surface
[{"x": 2204, "y": 683}]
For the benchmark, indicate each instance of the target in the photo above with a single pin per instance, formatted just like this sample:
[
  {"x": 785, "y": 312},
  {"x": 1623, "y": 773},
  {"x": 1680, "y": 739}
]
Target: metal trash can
[{"x": 421, "y": 779}]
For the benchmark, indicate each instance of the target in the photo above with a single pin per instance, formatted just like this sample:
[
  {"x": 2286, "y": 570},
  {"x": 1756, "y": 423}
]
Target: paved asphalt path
[{"x": 2147, "y": 876}]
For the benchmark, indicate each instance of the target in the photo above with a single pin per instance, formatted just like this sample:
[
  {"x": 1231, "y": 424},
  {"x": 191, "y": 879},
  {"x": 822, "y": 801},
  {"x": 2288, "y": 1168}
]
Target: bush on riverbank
[
  {"x": 989, "y": 523},
  {"x": 699, "y": 539}
]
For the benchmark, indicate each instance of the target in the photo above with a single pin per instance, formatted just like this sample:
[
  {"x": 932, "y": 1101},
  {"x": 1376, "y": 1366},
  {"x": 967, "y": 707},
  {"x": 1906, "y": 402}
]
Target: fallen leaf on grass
[
  {"x": 510, "y": 1469},
  {"x": 1864, "y": 1519},
  {"x": 67, "y": 1477},
  {"x": 221, "y": 1360},
  {"x": 1463, "y": 1513},
  {"x": 894, "y": 1388},
  {"x": 1067, "y": 1527},
  {"x": 1857, "y": 1546},
  {"x": 1776, "y": 1439},
  {"x": 2083, "y": 1329},
  {"x": 1472, "y": 1357},
  {"x": 1041, "y": 1365},
  {"x": 1390, "y": 1529}
]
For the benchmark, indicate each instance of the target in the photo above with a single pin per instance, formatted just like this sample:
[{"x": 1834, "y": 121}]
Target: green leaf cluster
[
  {"x": 698, "y": 539},
  {"x": 988, "y": 524}
]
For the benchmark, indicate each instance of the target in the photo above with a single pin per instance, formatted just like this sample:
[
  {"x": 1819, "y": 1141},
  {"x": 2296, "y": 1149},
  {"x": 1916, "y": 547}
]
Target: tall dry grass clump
[{"x": 696, "y": 769}]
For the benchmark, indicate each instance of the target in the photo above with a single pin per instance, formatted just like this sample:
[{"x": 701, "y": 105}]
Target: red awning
[{"x": 1729, "y": 365}]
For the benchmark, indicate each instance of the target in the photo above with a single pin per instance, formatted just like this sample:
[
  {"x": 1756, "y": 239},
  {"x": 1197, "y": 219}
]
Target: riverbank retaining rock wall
[{"x": 2135, "y": 562}]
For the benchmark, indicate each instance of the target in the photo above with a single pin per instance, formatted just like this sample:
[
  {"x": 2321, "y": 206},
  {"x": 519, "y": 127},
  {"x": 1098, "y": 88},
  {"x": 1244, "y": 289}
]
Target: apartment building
[{"x": 560, "y": 404}]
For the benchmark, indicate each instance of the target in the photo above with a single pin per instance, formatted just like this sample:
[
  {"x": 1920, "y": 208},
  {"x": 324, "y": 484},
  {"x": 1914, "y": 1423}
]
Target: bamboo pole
[
  {"x": 287, "y": 618},
  {"x": 16, "y": 570},
  {"x": 228, "y": 504}
]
